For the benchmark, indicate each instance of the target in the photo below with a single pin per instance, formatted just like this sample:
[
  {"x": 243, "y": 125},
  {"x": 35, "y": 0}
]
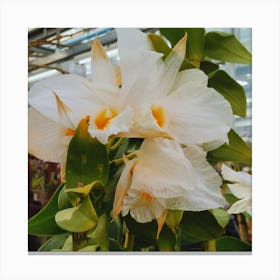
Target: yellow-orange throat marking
[
  {"x": 104, "y": 117},
  {"x": 158, "y": 114},
  {"x": 69, "y": 132},
  {"x": 146, "y": 196}
]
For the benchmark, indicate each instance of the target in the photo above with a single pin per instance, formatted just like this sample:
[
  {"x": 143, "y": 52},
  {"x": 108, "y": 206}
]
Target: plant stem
[
  {"x": 117, "y": 144},
  {"x": 210, "y": 245},
  {"x": 120, "y": 160},
  {"x": 129, "y": 241},
  {"x": 79, "y": 240},
  {"x": 243, "y": 228}
]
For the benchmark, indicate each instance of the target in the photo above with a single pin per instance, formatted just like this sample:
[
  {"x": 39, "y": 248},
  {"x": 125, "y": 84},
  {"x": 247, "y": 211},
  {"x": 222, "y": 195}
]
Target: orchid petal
[
  {"x": 141, "y": 210},
  {"x": 155, "y": 173},
  {"x": 243, "y": 205},
  {"x": 137, "y": 62},
  {"x": 102, "y": 68},
  {"x": 196, "y": 116},
  {"x": 130, "y": 41},
  {"x": 190, "y": 76},
  {"x": 168, "y": 70},
  {"x": 46, "y": 138},
  {"x": 122, "y": 186},
  {"x": 69, "y": 89},
  {"x": 241, "y": 186}
]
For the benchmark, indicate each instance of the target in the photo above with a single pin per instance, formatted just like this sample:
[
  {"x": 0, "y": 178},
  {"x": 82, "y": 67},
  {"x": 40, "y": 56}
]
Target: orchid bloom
[
  {"x": 59, "y": 103},
  {"x": 165, "y": 176},
  {"x": 166, "y": 102},
  {"x": 240, "y": 186}
]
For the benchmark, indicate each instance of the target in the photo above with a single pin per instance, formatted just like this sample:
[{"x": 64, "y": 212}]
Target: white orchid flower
[
  {"x": 241, "y": 187},
  {"x": 166, "y": 102},
  {"x": 164, "y": 176},
  {"x": 98, "y": 98}
]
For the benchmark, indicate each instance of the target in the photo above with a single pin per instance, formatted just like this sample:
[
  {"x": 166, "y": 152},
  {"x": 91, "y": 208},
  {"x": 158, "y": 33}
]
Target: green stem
[
  {"x": 243, "y": 228},
  {"x": 79, "y": 240},
  {"x": 117, "y": 144},
  {"x": 129, "y": 241},
  {"x": 120, "y": 160},
  {"x": 210, "y": 245}
]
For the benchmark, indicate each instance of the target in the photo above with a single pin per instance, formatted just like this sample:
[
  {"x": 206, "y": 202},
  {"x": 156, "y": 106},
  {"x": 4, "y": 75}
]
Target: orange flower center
[
  {"x": 146, "y": 196},
  {"x": 104, "y": 117},
  {"x": 158, "y": 114}
]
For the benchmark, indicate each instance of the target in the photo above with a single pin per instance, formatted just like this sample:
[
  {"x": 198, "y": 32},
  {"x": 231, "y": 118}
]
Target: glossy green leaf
[
  {"x": 66, "y": 200},
  {"x": 195, "y": 41},
  {"x": 237, "y": 150},
  {"x": 91, "y": 248},
  {"x": 55, "y": 242},
  {"x": 160, "y": 45},
  {"x": 208, "y": 67},
  {"x": 199, "y": 226},
  {"x": 87, "y": 159},
  {"x": 166, "y": 240},
  {"x": 43, "y": 223},
  {"x": 77, "y": 219},
  {"x": 232, "y": 91},
  {"x": 85, "y": 190},
  {"x": 230, "y": 198},
  {"x": 230, "y": 244},
  {"x": 68, "y": 245},
  {"x": 226, "y": 47},
  {"x": 221, "y": 216},
  {"x": 114, "y": 245},
  {"x": 145, "y": 234},
  {"x": 99, "y": 235},
  {"x": 174, "y": 218}
]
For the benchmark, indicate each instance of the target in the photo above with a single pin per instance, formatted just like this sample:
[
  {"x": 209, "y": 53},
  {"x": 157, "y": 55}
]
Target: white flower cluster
[{"x": 145, "y": 97}]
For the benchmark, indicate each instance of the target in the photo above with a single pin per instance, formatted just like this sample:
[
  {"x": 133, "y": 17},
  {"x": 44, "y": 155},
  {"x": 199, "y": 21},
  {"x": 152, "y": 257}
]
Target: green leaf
[
  {"x": 229, "y": 244},
  {"x": 166, "y": 240},
  {"x": 55, "y": 242},
  {"x": 85, "y": 190},
  {"x": 232, "y": 91},
  {"x": 221, "y": 216},
  {"x": 68, "y": 245},
  {"x": 208, "y": 67},
  {"x": 43, "y": 223},
  {"x": 66, "y": 200},
  {"x": 160, "y": 45},
  {"x": 226, "y": 47},
  {"x": 91, "y": 248},
  {"x": 114, "y": 245},
  {"x": 237, "y": 150},
  {"x": 199, "y": 226},
  {"x": 230, "y": 198},
  {"x": 77, "y": 219},
  {"x": 195, "y": 41},
  {"x": 145, "y": 234},
  {"x": 100, "y": 236},
  {"x": 174, "y": 218},
  {"x": 87, "y": 159}
]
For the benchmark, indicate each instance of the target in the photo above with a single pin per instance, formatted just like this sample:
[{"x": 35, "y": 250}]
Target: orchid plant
[{"x": 141, "y": 146}]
